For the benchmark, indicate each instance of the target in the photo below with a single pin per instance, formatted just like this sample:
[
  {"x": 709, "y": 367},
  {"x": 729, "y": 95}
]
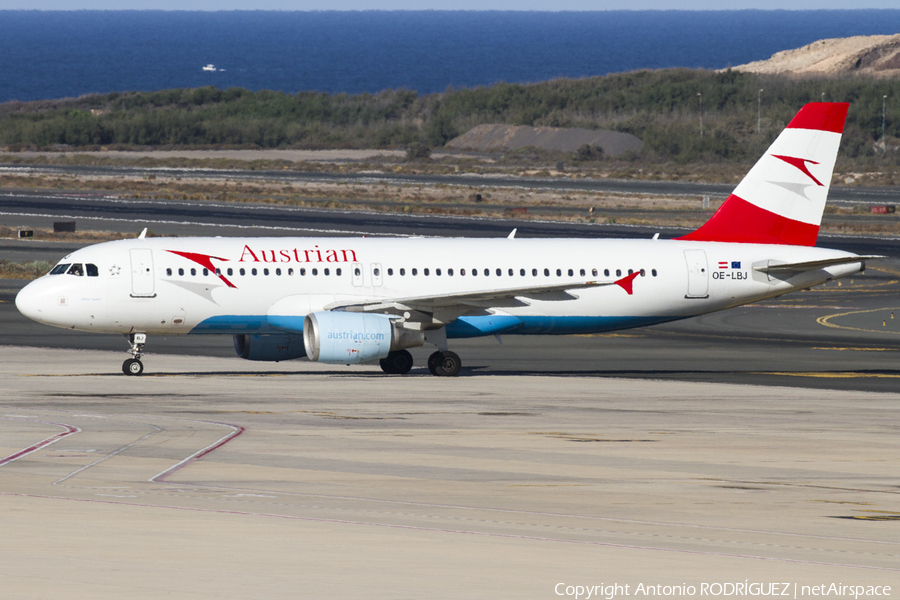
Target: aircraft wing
[
  {"x": 799, "y": 267},
  {"x": 498, "y": 297}
]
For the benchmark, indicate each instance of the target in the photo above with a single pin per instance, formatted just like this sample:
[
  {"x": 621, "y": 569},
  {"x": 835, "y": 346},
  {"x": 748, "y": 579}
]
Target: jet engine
[
  {"x": 352, "y": 338},
  {"x": 269, "y": 347}
]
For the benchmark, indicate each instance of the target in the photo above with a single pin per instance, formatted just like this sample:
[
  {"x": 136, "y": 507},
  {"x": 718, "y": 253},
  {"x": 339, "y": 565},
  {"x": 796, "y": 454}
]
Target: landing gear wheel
[
  {"x": 132, "y": 366},
  {"x": 444, "y": 364},
  {"x": 433, "y": 362},
  {"x": 397, "y": 363}
]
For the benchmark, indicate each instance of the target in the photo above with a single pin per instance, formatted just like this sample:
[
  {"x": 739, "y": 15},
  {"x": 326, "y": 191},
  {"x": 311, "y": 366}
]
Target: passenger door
[
  {"x": 698, "y": 274},
  {"x": 142, "y": 280}
]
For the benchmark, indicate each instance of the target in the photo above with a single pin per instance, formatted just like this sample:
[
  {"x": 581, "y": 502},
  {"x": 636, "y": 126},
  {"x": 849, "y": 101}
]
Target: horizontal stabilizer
[{"x": 811, "y": 265}]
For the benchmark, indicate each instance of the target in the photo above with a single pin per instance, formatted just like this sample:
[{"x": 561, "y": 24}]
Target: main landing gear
[
  {"x": 134, "y": 366},
  {"x": 397, "y": 363},
  {"x": 442, "y": 363}
]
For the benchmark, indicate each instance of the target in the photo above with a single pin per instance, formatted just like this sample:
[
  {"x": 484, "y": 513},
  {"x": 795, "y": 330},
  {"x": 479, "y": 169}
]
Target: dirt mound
[
  {"x": 495, "y": 138},
  {"x": 877, "y": 55}
]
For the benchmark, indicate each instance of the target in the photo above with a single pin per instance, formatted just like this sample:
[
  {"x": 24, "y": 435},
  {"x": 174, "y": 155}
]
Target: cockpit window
[
  {"x": 60, "y": 268},
  {"x": 92, "y": 270},
  {"x": 76, "y": 269}
]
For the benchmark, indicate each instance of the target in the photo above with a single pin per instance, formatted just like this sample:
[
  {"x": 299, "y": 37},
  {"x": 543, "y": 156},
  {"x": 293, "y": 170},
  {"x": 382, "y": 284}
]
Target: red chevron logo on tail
[{"x": 800, "y": 163}]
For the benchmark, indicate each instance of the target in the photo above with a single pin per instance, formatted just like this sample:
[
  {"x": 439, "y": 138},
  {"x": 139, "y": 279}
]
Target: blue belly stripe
[{"x": 463, "y": 327}]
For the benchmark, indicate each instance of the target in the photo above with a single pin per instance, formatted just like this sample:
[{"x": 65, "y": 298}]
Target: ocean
[{"x": 58, "y": 54}]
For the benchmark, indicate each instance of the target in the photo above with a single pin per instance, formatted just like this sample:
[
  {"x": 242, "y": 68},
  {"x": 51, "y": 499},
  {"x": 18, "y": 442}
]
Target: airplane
[{"x": 364, "y": 300}]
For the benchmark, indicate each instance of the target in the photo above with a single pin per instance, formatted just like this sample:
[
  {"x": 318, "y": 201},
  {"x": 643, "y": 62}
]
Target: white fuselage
[{"x": 160, "y": 285}]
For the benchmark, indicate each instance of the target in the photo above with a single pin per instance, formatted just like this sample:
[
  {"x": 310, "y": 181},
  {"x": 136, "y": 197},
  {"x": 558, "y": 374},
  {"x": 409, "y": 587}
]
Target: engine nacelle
[
  {"x": 352, "y": 338},
  {"x": 269, "y": 347}
]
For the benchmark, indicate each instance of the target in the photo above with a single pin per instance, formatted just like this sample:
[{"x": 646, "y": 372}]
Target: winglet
[{"x": 626, "y": 283}]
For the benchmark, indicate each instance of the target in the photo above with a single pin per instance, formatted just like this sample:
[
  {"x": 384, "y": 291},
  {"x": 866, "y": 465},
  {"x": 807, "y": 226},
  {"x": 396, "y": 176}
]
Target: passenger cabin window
[{"x": 169, "y": 271}]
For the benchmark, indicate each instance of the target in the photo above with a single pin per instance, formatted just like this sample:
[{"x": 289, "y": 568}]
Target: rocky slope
[{"x": 874, "y": 55}]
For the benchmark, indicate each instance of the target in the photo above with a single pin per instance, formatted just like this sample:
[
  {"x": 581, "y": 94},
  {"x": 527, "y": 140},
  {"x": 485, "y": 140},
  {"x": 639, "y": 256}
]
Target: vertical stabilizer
[{"x": 782, "y": 198}]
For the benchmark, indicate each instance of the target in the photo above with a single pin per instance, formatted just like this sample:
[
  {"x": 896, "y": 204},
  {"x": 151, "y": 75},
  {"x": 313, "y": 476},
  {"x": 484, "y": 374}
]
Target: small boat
[{"x": 210, "y": 67}]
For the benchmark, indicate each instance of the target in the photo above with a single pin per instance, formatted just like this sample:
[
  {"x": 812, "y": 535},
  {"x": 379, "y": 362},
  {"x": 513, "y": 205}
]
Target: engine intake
[{"x": 353, "y": 338}]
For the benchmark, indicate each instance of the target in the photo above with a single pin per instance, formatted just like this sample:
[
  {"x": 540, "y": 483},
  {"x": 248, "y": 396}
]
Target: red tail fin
[{"x": 782, "y": 198}]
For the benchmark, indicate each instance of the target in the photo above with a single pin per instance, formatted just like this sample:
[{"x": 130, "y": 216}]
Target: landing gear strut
[
  {"x": 442, "y": 363},
  {"x": 134, "y": 366}
]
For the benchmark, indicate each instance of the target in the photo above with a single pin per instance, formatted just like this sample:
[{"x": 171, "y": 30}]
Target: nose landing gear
[{"x": 134, "y": 366}]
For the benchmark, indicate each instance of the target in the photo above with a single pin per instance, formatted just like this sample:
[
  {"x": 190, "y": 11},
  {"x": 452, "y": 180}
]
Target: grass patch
[{"x": 29, "y": 270}]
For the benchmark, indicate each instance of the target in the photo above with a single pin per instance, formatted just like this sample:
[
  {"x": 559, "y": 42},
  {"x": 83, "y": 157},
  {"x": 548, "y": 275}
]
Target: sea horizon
[{"x": 53, "y": 54}]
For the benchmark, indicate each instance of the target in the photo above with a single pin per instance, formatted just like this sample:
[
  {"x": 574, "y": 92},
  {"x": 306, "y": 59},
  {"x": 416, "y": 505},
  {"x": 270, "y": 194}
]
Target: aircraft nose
[
  {"x": 25, "y": 301},
  {"x": 31, "y": 301}
]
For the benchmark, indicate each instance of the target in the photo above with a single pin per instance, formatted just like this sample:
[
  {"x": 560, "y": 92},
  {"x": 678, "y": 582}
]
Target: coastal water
[{"x": 62, "y": 54}]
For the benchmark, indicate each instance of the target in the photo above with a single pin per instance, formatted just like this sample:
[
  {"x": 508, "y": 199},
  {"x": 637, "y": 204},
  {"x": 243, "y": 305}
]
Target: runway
[
  {"x": 220, "y": 478},
  {"x": 754, "y": 445},
  {"x": 849, "y": 195}
]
